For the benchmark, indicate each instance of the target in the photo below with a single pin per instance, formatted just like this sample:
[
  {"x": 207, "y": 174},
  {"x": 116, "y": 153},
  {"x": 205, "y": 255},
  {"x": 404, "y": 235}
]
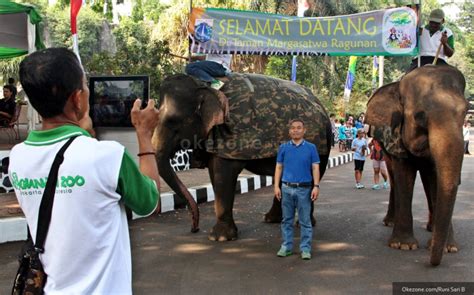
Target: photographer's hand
[{"x": 145, "y": 122}]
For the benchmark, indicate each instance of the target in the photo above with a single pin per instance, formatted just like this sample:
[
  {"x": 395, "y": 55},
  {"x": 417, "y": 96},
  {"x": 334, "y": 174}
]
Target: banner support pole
[
  {"x": 189, "y": 45},
  {"x": 381, "y": 66}
]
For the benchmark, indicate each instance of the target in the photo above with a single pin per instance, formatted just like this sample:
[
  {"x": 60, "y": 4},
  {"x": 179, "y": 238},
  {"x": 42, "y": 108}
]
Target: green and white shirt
[
  {"x": 429, "y": 43},
  {"x": 87, "y": 249}
]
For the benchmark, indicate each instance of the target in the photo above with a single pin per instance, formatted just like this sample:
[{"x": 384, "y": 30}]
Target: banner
[
  {"x": 390, "y": 32},
  {"x": 350, "y": 77}
]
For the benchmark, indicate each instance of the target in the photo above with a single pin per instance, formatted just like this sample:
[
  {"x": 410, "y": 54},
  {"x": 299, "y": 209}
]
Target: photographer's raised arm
[{"x": 145, "y": 122}]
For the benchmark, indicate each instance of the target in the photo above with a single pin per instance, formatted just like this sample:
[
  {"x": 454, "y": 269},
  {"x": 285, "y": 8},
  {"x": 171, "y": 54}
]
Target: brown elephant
[
  {"x": 244, "y": 133},
  {"x": 419, "y": 121}
]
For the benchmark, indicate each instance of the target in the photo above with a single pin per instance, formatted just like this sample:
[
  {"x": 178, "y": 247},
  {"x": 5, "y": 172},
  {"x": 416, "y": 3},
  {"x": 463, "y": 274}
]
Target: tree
[{"x": 137, "y": 54}]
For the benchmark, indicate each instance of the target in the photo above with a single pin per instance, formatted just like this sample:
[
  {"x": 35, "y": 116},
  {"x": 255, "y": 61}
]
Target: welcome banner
[{"x": 383, "y": 32}]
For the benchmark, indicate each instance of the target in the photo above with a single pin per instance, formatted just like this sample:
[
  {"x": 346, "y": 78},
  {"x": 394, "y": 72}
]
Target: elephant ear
[
  {"x": 384, "y": 107},
  {"x": 211, "y": 109},
  {"x": 385, "y": 113}
]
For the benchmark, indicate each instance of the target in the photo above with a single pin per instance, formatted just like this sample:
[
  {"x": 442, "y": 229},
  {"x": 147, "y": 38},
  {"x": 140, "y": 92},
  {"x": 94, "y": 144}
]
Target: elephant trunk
[
  {"x": 448, "y": 179},
  {"x": 441, "y": 227},
  {"x": 170, "y": 177}
]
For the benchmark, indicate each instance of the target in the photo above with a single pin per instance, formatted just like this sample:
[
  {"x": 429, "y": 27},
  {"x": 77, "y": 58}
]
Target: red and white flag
[{"x": 75, "y": 7}]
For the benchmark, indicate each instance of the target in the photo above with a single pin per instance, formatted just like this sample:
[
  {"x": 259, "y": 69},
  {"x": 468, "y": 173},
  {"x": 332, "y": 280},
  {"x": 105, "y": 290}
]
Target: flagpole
[
  {"x": 381, "y": 69},
  {"x": 75, "y": 7},
  {"x": 189, "y": 41},
  {"x": 75, "y": 47},
  {"x": 303, "y": 5}
]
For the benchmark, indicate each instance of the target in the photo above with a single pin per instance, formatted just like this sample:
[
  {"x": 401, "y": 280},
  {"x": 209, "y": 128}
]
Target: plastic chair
[{"x": 9, "y": 128}]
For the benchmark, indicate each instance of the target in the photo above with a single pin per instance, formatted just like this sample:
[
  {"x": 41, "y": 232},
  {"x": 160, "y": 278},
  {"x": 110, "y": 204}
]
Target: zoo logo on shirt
[{"x": 32, "y": 186}]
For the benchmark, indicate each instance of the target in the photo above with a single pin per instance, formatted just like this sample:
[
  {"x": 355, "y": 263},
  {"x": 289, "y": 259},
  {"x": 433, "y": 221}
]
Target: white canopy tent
[{"x": 19, "y": 35}]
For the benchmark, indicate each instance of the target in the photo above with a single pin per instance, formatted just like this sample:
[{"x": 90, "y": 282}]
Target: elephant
[
  {"x": 419, "y": 120},
  {"x": 228, "y": 134}
]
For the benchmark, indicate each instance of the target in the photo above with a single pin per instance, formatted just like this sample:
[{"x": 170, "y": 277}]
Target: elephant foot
[
  {"x": 272, "y": 218},
  {"x": 389, "y": 221},
  {"x": 407, "y": 243},
  {"x": 451, "y": 246},
  {"x": 223, "y": 232},
  {"x": 451, "y": 249}
]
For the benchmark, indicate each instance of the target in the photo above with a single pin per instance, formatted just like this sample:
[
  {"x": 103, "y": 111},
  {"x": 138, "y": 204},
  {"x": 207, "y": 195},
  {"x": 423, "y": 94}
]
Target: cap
[{"x": 437, "y": 16}]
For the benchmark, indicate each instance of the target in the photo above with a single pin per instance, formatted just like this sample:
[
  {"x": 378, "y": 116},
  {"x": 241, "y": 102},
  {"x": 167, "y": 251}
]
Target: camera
[{"x": 112, "y": 97}]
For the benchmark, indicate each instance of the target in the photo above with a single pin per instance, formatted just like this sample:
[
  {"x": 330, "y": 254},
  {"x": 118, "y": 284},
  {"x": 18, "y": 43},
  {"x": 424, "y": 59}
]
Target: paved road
[{"x": 350, "y": 255}]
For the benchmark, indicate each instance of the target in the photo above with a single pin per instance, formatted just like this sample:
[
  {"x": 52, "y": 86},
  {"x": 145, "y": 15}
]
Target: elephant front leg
[
  {"x": 225, "y": 228},
  {"x": 404, "y": 180},
  {"x": 224, "y": 175},
  {"x": 389, "y": 219}
]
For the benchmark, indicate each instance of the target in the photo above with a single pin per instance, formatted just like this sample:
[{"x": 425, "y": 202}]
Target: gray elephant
[
  {"x": 228, "y": 137},
  {"x": 419, "y": 121}
]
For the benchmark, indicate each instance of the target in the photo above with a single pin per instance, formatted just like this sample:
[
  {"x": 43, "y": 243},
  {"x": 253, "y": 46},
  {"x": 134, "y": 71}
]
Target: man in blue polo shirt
[{"x": 298, "y": 169}]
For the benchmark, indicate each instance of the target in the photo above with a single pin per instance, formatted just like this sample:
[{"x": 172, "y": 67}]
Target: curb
[{"x": 14, "y": 228}]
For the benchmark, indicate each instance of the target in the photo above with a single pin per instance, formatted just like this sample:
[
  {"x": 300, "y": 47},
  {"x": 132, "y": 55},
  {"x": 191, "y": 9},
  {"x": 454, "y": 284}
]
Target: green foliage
[
  {"x": 57, "y": 21},
  {"x": 98, "y": 7},
  {"x": 149, "y": 10},
  {"x": 136, "y": 54},
  {"x": 9, "y": 69}
]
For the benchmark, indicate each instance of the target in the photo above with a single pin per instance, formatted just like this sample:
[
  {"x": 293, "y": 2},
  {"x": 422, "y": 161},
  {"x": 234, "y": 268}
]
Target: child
[
  {"x": 379, "y": 165},
  {"x": 359, "y": 146},
  {"x": 342, "y": 136}
]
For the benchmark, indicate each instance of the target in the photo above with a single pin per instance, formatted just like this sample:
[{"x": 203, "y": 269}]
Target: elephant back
[{"x": 260, "y": 108}]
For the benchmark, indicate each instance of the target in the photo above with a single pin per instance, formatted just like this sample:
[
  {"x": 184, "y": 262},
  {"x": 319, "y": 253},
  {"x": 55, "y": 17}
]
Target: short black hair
[
  {"x": 12, "y": 90},
  {"x": 49, "y": 77},
  {"x": 296, "y": 120},
  {"x": 9, "y": 87}
]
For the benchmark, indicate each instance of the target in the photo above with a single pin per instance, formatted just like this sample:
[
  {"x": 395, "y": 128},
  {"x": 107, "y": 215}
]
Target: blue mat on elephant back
[{"x": 260, "y": 108}]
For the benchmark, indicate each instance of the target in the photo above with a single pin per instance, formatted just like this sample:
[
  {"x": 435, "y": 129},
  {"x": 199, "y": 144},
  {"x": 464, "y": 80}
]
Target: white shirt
[
  {"x": 87, "y": 248},
  {"x": 465, "y": 133},
  {"x": 223, "y": 59},
  {"x": 358, "y": 144},
  {"x": 429, "y": 44}
]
